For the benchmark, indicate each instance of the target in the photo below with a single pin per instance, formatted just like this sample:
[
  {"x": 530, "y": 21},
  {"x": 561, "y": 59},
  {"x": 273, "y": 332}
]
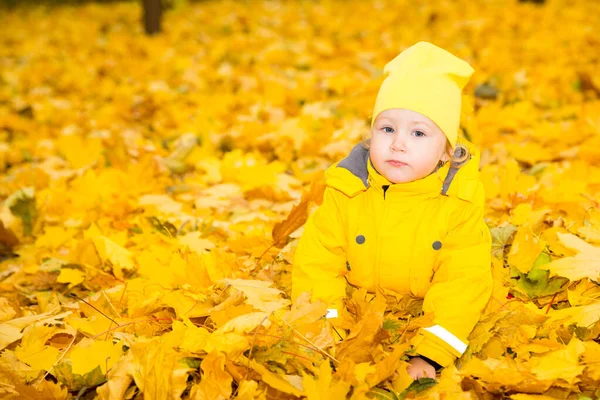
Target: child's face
[{"x": 405, "y": 145}]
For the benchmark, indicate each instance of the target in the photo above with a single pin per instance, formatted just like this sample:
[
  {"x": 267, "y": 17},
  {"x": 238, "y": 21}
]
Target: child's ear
[{"x": 447, "y": 156}]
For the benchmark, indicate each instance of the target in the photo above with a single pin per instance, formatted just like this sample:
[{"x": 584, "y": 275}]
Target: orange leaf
[{"x": 299, "y": 214}]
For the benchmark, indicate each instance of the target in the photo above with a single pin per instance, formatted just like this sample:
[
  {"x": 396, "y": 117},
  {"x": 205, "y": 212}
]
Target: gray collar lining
[{"x": 356, "y": 163}]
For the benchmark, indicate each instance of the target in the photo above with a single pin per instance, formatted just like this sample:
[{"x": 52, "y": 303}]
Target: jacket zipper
[{"x": 378, "y": 265}]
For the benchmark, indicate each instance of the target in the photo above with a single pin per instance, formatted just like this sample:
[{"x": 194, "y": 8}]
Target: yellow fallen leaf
[
  {"x": 524, "y": 214},
  {"x": 54, "y": 237},
  {"x": 215, "y": 383},
  {"x": 161, "y": 203},
  {"x": 246, "y": 323},
  {"x": 591, "y": 355},
  {"x": 183, "y": 147},
  {"x": 270, "y": 378},
  {"x": 78, "y": 151},
  {"x": 196, "y": 339},
  {"x": 323, "y": 387},
  {"x": 12, "y": 330},
  {"x": 119, "y": 378},
  {"x": 186, "y": 304},
  {"x": 583, "y": 293},
  {"x": 361, "y": 370},
  {"x": 7, "y": 311},
  {"x": 250, "y": 170},
  {"x": 560, "y": 364},
  {"x": 13, "y": 375},
  {"x": 259, "y": 294},
  {"x": 33, "y": 349},
  {"x": 585, "y": 264},
  {"x": 248, "y": 390},
  {"x": 388, "y": 366},
  {"x": 157, "y": 368},
  {"x": 120, "y": 258},
  {"x": 525, "y": 249},
  {"x": 71, "y": 276},
  {"x": 582, "y": 316},
  {"x": 195, "y": 243},
  {"x": 89, "y": 354},
  {"x": 574, "y": 243}
]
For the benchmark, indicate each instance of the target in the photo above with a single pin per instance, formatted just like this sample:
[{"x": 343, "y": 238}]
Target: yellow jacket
[{"x": 408, "y": 238}]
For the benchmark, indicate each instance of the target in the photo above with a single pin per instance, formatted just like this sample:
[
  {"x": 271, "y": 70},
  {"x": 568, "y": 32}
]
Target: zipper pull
[
  {"x": 385, "y": 188},
  {"x": 459, "y": 158}
]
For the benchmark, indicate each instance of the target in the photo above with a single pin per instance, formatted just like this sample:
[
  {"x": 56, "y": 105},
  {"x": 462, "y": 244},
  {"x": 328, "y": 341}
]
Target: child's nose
[{"x": 398, "y": 143}]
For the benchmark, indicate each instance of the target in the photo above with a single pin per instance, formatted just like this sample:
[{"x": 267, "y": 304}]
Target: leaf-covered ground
[{"x": 142, "y": 178}]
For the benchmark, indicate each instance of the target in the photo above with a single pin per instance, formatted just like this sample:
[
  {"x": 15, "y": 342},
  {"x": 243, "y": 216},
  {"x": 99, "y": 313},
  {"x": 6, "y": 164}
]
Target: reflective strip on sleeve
[
  {"x": 331, "y": 313},
  {"x": 448, "y": 337}
]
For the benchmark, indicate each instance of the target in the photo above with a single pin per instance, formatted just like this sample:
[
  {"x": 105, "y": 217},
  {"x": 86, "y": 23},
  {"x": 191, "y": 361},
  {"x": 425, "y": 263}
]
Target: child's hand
[{"x": 419, "y": 368}]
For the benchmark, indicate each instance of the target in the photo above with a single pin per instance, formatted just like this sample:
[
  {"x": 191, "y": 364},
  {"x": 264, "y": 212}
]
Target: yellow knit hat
[{"x": 429, "y": 80}]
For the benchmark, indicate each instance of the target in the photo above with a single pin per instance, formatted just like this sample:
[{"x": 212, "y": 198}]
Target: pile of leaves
[{"x": 153, "y": 191}]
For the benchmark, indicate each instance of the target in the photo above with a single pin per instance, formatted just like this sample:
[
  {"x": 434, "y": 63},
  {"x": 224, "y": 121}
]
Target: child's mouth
[{"x": 395, "y": 163}]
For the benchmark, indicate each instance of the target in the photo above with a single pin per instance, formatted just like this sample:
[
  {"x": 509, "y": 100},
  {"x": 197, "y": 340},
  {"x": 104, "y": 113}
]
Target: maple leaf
[
  {"x": 71, "y": 276},
  {"x": 560, "y": 364},
  {"x": 585, "y": 264},
  {"x": 157, "y": 367},
  {"x": 259, "y": 294},
  {"x": 526, "y": 248},
  {"x": 537, "y": 282},
  {"x": 299, "y": 214},
  {"x": 121, "y": 259},
  {"x": 216, "y": 382},
  {"x": 271, "y": 379},
  {"x": 119, "y": 379},
  {"x": 500, "y": 238},
  {"x": 22, "y": 204},
  {"x": 324, "y": 387},
  {"x": 89, "y": 354},
  {"x": 143, "y": 196}
]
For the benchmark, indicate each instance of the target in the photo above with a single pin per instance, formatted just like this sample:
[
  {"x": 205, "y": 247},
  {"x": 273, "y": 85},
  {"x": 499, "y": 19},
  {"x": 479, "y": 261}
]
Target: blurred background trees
[{"x": 151, "y": 10}]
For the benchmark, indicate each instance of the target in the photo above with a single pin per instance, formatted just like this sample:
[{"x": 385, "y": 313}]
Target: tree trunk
[{"x": 152, "y": 14}]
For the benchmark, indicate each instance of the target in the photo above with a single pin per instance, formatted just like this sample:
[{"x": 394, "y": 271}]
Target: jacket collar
[
  {"x": 354, "y": 175},
  {"x": 427, "y": 187}
]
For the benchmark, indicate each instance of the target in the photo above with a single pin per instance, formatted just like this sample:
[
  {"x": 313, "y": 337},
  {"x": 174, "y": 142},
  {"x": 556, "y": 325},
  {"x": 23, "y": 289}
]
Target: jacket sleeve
[
  {"x": 460, "y": 289},
  {"x": 320, "y": 258}
]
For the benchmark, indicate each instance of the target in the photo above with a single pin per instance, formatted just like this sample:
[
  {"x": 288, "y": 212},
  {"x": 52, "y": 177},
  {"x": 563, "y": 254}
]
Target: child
[{"x": 398, "y": 215}]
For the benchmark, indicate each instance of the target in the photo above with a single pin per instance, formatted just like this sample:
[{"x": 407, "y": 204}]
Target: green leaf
[
  {"x": 418, "y": 386},
  {"x": 381, "y": 394},
  {"x": 191, "y": 362},
  {"x": 500, "y": 237},
  {"x": 536, "y": 283},
  {"x": 22, "y": 205},
  {"x": 543, "y": 259},
  {"x": 63, "y": 372},
  {"x": 391, "y": 325},
  {"x": 165, "y": 228}
]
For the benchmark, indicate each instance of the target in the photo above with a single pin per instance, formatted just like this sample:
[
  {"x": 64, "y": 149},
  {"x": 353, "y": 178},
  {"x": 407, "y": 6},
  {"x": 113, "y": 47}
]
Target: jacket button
[
  {"x": 360, "y": 239},
  {"x": 437, "y": 245}
]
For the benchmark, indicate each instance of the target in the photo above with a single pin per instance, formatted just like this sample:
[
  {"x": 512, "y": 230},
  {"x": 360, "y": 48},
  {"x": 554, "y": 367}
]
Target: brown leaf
[
  {"x": 8, "y": 240},
  {"x": 299, "y": 214}
]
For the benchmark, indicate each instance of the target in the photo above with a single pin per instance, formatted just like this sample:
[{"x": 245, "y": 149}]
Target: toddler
[{"x": 405, "y": 213}]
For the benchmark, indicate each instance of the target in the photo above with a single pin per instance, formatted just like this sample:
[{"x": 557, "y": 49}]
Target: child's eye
[
  {"x": 388, "y": 129},
  {"x": 418, "y": 134}
]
